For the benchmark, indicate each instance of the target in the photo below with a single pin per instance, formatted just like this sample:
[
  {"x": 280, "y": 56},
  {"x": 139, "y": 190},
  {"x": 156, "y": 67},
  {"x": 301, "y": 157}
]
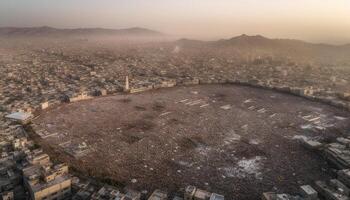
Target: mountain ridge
[
  {"x": 50, "y": 31},
  {"x": 256, "y": 40},
  {"x": 259, "y": 45}
]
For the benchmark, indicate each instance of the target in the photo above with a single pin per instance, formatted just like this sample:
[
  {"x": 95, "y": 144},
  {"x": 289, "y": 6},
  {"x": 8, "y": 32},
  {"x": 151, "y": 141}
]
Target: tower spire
[{"x": 127, "y": 87}]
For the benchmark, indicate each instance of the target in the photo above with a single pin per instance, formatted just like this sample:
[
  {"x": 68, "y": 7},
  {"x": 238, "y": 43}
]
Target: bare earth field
[{"x": 233, "y": 140}]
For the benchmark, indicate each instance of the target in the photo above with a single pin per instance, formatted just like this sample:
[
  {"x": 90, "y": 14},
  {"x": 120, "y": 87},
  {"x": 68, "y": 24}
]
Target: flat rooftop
[
  {"x": 232, "y": 140},
  {"x": 37, "y": 171},
  {"x": 20, "y": 116}
]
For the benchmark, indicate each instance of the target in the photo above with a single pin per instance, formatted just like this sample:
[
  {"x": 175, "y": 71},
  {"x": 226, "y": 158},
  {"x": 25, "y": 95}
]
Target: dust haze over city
[{"x": 175, "y": 100}]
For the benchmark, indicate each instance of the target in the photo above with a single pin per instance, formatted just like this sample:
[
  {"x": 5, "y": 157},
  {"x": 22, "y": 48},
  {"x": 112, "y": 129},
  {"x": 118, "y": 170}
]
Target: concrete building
[
  {"x": 107, "y": 193},
  {"x": 103, "y": 92},
  {"x": 9, "y": 177},
  {"x": 132, "y": 195},
  {"x": 19, "y": 143},
  {"x": 216, "y": 197},
  {"x": 158, "y": 195},
  {"x": 189, "y": 192},
  {"x": 80, "y": 97},
  {"x": 192, "y": 193},
  {"x": 140, "y": 89},
  {"x": 38, "y": 157},
  {"x": 45, "y": 182},
  {"x": 20, "y": 117},
  {"x": 45, "y": 105}
]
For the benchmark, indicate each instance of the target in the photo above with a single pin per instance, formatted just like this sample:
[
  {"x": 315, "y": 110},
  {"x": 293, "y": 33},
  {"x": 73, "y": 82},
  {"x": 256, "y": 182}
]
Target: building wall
[
  {"x": 44, "y": 105},
  {"x": 58, "y": 191},
  {"x": 140, "y": 89},
  {"x": 80, "y": 98},
  {"x": 41, "y": 161}
]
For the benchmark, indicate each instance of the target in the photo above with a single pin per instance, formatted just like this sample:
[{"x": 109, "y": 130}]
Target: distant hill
[
  {"x": 49, "y": 31},
  {"x": 260, "y": 45},
  {"x": 257, "y": 41}
]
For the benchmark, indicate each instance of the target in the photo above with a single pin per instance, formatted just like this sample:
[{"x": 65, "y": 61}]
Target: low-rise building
[
  {"x": 215, "y": 196},
  {"x": 107, "y": 193},
  {"x": 158, "y": 195},
  {"x": 20, "y": 143},
  {"x": 45, "y": 105},
  {"x": 9, "y": 177},
  {"x": 38, "y": 157},
  {"x": 132, "y": 195},
  {"x": 82, "y": 96},
  {"x": 193, "y": 193},
  {"x": 46, "y": 182},
  {"x": 20, "y": 117}
]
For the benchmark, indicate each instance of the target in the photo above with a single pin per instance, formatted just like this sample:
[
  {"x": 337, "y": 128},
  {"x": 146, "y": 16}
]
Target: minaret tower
[{"x": 127, "y": 87}]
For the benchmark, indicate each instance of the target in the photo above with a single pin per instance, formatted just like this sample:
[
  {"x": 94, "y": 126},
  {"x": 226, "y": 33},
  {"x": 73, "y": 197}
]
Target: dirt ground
[{"x": 232, "y": 140}]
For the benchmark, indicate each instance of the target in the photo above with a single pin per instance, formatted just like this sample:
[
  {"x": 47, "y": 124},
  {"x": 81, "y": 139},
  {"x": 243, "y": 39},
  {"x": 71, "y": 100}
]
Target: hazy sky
[{"x": 312, "y": 20}]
